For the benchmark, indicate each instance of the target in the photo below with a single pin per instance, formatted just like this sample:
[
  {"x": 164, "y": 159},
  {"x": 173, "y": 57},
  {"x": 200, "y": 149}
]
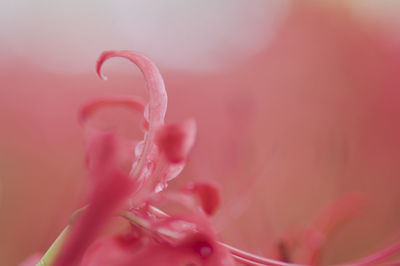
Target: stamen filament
[
  {"x": 241, "y": 255},
  {"x": 133, "y": 218},
  {"x": 246, "y": 261},
  {"x": 378, "y": 256}
]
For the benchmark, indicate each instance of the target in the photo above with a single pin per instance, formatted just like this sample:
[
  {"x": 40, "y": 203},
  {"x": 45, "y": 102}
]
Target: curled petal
[
  {"x": 155, "y": 111},
  {"x": 154, "y": 81},
  {"x": 135, "y": 103}
]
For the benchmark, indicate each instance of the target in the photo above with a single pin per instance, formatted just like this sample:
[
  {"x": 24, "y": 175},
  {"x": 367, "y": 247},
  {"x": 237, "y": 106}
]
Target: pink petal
[
  {"x": 110, "y": 189},
  {"x": 208, "y": 194},
  {"x": 176, "y": 140},
  {"x": 88, "y": 109},
  {"x": 198, "y": 247},
  {"x": 114, "y": 250},
  {"x": 155, "y": 111}
]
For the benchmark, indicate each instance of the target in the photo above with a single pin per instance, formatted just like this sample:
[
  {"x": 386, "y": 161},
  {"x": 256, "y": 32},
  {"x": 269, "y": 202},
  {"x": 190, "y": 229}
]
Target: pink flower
[
  {"x": 179, "y": 237},
  {"x": 341, "y": 89},
  {"x": 158, "y": 159}
]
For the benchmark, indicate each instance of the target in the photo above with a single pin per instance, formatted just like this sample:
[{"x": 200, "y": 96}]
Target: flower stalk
[{"x": 51, "y": 255}]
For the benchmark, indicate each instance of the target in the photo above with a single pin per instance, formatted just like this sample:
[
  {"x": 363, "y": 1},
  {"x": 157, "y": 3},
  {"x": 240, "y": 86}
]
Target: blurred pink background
[{"x": 296, "y": 104}]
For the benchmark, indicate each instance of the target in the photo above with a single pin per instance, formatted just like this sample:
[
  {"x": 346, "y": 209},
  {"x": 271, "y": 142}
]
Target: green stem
[{"x": 52, "y": 253}]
